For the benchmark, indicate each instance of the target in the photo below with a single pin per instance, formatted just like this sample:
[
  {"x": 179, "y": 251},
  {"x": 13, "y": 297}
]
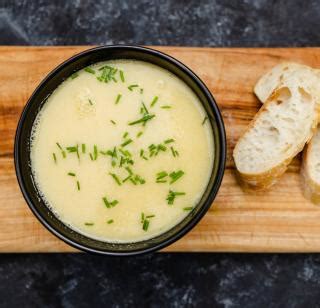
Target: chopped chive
[
  {"x": 142, "y": 217},
  {"x": 175, "y": 176},
  {"x": 71, "y": 174},
  {"x": 150, "y": 216},
  {"x": 165, "y": 107},
  {"x": 168, "y": 141},
  {"x": 141, "y": 152},
  {"x": 118, "y": 98},
  {"x": 91, "y": 157},
  {"x": 115, "y": 177},
  {"x": 189, "y": 208},
  {"x": 83, "y": 148},
  {"x": 109, "y": 204},
  {"x": 126, "y": 142},
  {"x": 113, "y": 163},
  {"x": 71, "y": 149},
  {"x": 89, "y": 223},
  {"x": 78, "y": 185},
  {"x": 143, "y": 120},
  {"x": 141, "y": 90},
  {"x": 174, "y": 152},
  {"x": 113, "y": 122},
  {"x": 145, "y": 225},
  {"x": 161, "y": 175},
  {"x": 145, "y": 108},
  {"x": 129, "y": 170},
  {"x": 122, "y": 76},
  {"x": 126, "y": 179},
  {"x": 74, "y": 75},
  {"x": 110, "y": 221},
  {"x": 132, "y": 181},
  {"x": 155, "y": 99},
  {"x": 95, "y": 152},
  {"x": 89, "y": 70},
  {"x": 54, "y": 157},
  {"x": 172, "y": 195},
  {"x": 131, "y": 87},
  {"x": 161, "y": 181},
  {"x": 125, "y": 135},
  {"x": 115, "y": 80},
  {"x": 139, "y": 134},
  {"x": 63, "y": 153},
  {"x": 125, "y": 153},
  {"x": 90, "y": 101},
  {"x": 204, "y": 120}
]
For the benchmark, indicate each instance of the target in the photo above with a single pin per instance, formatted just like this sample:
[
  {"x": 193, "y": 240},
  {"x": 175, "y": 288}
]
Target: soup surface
[{"x": 122, "y": 151}]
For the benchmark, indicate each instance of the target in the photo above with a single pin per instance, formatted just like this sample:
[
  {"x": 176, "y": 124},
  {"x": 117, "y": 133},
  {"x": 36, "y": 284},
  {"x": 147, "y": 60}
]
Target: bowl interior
[{"x": 22, "y": 149}]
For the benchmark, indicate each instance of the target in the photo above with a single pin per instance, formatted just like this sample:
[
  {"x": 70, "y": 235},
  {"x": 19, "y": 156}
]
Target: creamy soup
[{"x": 122, "y": 151}]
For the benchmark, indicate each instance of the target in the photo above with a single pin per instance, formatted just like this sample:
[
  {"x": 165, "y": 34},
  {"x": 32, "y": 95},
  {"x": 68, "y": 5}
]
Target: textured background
[{"x": 160, "y": 280}]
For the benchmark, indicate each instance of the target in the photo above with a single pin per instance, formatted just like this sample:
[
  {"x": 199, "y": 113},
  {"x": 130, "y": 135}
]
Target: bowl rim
[{"x": 217, "y": 180}]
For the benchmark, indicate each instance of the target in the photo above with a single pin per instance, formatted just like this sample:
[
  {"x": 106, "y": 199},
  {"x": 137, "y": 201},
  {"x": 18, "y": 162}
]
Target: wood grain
[{"x": 279, "y": 220}]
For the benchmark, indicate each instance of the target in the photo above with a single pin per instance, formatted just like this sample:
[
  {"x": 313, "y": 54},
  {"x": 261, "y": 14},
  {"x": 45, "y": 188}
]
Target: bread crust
[{"x": 311, "y": 189}]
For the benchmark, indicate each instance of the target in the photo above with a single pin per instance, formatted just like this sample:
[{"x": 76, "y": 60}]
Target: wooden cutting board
[{"x": 279, "y": 220}]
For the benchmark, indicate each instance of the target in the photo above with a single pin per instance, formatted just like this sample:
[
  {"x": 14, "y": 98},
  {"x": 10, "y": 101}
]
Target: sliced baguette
[
  {"x": 310, "y": 170},
  {"x": 278, "y": 74},
  {"x": 279, "y": 131}
]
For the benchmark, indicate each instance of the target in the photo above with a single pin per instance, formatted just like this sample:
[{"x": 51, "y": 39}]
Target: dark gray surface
[{"x": 160, "y": 280}]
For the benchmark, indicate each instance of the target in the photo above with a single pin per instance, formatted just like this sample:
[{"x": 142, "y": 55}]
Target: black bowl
[{"x": 38, "y": 98}]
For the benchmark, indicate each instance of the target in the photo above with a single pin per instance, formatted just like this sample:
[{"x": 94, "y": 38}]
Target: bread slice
[
  {"x": 310, "y": 170},
  {"x": 279, "y": 131},
  {"x": 278, "y": 74}
]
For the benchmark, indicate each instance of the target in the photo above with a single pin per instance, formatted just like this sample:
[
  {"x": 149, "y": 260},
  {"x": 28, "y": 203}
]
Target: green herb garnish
[
  {"x": 83, "y": 148},
  {"x": 168, "y": 141},
  {"x": 109, "y": 204},
  {"x": 89, "y": 223},
  {"x": 126, "y": 142},
  {"x": 110, "y": 221},
  {"x": 145, "y": 221},
  {"x": 74, "y": 75},
  {"x": 54, "y": 157},
  {"x": 172, "y": 195},
  {"x": 165, "y": 107},
  {"x": 175, "y": 176},
  {"x": 78, "y": 185},
  {"x": 174, "y": 152},
  {"x": 155, "y": 99},
  {"x": 90, "y": 102},
  {"x": 144, "y": 108},
  {"x": 89, "y": 70},
  {"x": 74, "y": 149},
  {"x": 204, "y": 120},
  {"x": 113, "y": 122},
  {"x": 71, "y": 174},
  {"x": 131, "y": 87},
  {"x": 139, "y": 134},
  {"x": 145, "y": 225},
  {"x": 160, "y": 177},
  {"x": 118, "y": 98},
  {"x": 122, "y": 76},
  {"x": 63, "y": 153},
  {"x": 125, "y": 135},
  {"x": 115, "y": 177},
  {"x": 189, "y": 208},
  {"x": 95, "y": 152},
  {"x": 143, "y": 120}
]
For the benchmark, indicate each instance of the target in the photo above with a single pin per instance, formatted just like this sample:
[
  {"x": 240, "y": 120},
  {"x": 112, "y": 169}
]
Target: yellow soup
[{"x": 122, "y": 151}]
